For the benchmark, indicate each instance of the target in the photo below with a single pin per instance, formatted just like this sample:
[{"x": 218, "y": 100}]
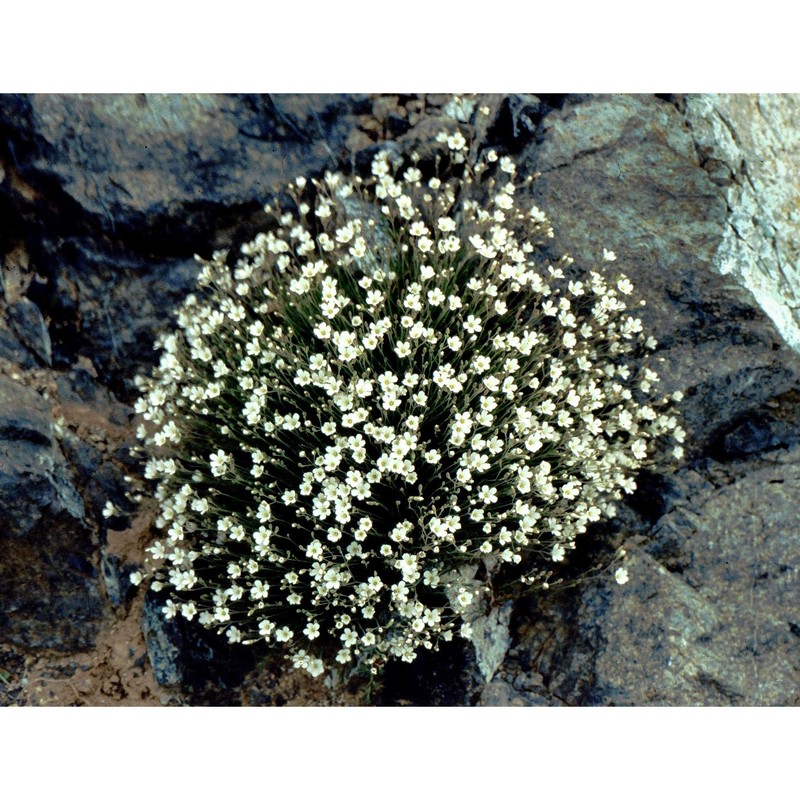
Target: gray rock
[
  {"x": 491, "y": 639},
  {"x": 28, "y": 324},
  {"x": 719, "y": 624},
  {"x": 24, "y": 413},
  {"x": 135, "y": 185},
  {"x": 105, "y": 306},
  {"x": 50, "y": 592},
  {"x": 166, "y": 164},
  {"x": 163, "y": 641},
  {"x": 110, "y": 569},
  {"x": 120, "y": 319},
  {"x": 203, "y": 664},
  {"x": 12, "y": 350},
  {"x": 33, "y": 480},
  {"x": 743, "y": 563},
  {"x": 753, "y": 143},
  {"x": 530, "y": 692}
]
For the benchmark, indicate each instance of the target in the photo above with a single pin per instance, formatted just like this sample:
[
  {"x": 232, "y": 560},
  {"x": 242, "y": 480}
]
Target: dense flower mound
[{"x": 390, "y": 400}]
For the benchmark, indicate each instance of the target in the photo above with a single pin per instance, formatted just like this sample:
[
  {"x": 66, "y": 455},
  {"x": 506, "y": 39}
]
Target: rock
[
  {"x": 491, "y": 639},
  {"x": 752, "y": 142},
  {"x": 501, "y": 692},
  {"x": 28, "y": 324},
  {"x": 50, "y": 591},
  {"x": 203, "y": 664},
  {"x": 135, "y": 185},
  {"x": 169, "y": 166},
  {"x": 718, "y": 630},
  {"x": 110, "y": 569},
  {"x": 26, "y": 441},
  {"x": 115, "y": 316},
  {"x": 759, "y": 431},
  {"x": 99, "y": 444},
  {"x": 84, "y": 458},
  {"x": 163, "y": 641},
  {"x": 12, "y": 350},
  {"x": 449, "y": 677}
]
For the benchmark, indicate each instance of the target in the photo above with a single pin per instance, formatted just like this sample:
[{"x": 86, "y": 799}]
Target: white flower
[
  {"x": 311, "y": 630},
  {"x": 487, "y": 494},
  {"x": 315, "y": 667},
  {"x": 472, "y": 324},
  {"x": 456, "y": 141},
  {"x": 621, "y": 576},
  {"x": 436, "y": 296},
  {"x": 639, "y": 449},
  {"x": 323, "y": 330},
  {"x": 349, "y": 637},
  {"x": 284, "y": 634},
  {"x": 314, "y": 550},
  {"x": 219, "y": 461},
  {"x": 259, "y": 590},
  {"x": 503, "y": 201},
  {"x": 234, "y": 634},
  {"x": 433, "y": 456},
  {"x": 507, "y": 165},
  {"x": 464, "y": 598},
  {"x": 481, "y": 364}
]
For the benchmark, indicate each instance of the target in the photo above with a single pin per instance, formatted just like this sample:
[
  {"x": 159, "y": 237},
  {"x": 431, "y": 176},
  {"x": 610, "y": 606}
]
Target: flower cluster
[{"x": 386, "y": 401}]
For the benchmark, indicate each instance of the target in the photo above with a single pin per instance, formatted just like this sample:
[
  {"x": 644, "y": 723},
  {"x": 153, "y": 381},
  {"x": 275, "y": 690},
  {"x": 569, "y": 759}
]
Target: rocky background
[{"x": 105, "y": 199}]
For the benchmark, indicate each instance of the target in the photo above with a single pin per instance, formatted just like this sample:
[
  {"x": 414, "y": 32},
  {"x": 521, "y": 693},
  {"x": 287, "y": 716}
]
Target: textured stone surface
[
  {"x": 524, "y": 691},
  {"x": 33, "y": 481},
  {"x": 28, "y": 324},
  {"x": 750, "y": 145},
  {"x": 739, "y": 575},
  {"x": 163, "y": 642},
  {"x": 157, "y": 163},
  {"x": 50, "y": 592},
  {"x": 491, "y": 639},
  {"x": 12, "y": 350}
]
